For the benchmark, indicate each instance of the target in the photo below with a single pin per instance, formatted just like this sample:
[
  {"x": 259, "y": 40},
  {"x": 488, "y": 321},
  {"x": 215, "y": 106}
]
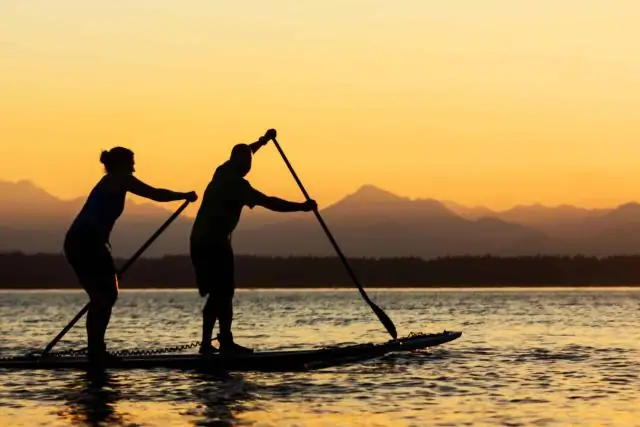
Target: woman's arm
[{"x": 139, "y": 188}]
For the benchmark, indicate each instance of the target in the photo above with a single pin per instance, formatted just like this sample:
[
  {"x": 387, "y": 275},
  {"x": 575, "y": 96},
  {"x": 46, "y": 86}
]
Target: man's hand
[
  {"x": 263, "y": 140},
  {"x": 191, "y": 196},
  {"x": 309, "y": 205},
  {"x": 270, "y": 134}
]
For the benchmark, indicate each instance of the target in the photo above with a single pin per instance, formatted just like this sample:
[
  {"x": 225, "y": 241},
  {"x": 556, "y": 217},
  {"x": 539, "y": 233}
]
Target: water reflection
[
  {"x": 221, "y": 400},
  {"x": 101, "y": 398},
  {"x": 92, "y": 399}
]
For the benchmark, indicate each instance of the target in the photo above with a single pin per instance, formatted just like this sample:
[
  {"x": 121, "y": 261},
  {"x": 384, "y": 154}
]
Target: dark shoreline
[
  {"x": 347, "y": 288},
  {"x": 50, "y": 271}
]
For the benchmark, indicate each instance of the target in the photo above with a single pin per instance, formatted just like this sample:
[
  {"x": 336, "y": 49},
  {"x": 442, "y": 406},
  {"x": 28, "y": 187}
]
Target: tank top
[{"x": 101, "y": 210}]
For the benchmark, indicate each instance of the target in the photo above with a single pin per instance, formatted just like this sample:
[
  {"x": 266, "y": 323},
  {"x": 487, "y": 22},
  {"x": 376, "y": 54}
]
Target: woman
[{"x": 86, "y": 244}]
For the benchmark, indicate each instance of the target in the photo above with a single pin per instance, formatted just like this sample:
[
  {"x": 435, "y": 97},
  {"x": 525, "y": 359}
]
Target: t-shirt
[{"x": 222, "y": 204}]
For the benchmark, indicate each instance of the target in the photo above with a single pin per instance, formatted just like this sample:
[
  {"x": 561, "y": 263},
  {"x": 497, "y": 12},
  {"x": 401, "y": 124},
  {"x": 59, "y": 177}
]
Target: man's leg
[
  {"x": 227, "y": 344},
  {"x": 202, "y": 257},
  {"x": 209, "y": 315},
  {"x": 225, "y": 306}
]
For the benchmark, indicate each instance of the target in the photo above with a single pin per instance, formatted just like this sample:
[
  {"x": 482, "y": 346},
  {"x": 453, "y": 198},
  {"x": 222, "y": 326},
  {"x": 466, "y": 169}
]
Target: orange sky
[{"x": 493, "y": 102}]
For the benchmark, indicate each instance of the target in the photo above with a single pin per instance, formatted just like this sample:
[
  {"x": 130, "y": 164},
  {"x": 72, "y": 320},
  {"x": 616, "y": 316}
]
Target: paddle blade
[{"x": 385, "y": 320}]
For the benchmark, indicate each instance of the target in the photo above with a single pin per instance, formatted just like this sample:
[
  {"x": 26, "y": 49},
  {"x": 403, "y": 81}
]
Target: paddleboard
[{"x": 263, "y": 361}]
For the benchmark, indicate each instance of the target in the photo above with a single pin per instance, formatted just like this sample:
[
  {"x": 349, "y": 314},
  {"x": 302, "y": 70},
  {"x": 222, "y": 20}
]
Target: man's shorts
[{"x": 214, "y": 267}]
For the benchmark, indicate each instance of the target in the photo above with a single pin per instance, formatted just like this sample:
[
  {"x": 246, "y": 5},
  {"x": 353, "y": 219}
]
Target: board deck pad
[{"x": 265, "y": 361}]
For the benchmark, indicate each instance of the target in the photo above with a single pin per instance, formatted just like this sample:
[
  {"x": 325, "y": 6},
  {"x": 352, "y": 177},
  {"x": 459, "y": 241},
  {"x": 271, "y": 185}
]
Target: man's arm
[
  {"x": 255, "y": 146},
  {"x": 280, "y": 205},
  {"x": 263, "y": 140},
  {"x": 276, "y": 204}
]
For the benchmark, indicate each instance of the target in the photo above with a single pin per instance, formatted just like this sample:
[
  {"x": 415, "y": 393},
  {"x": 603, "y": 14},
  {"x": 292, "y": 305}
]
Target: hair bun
[{"x": 104, "y": 157}]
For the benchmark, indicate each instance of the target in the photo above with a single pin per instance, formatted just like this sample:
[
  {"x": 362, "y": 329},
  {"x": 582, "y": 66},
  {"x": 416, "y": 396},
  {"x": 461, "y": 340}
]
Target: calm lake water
[{"x": 526, "y": 357}]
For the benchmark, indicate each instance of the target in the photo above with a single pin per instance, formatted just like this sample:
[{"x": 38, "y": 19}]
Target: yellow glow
[
  {"x": 148, "y": 412},
  {"x": 494, "y": 102}
]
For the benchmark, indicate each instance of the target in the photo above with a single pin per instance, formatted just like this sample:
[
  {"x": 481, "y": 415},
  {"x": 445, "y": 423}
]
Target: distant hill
[
  {"x": 473, "y": 212},
  {"x": 369, "y": 222},
  {"x": 375, "y": 223}
]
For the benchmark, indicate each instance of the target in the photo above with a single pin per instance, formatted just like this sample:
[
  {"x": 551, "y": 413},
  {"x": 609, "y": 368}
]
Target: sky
[{"x": 490, "y": 102}]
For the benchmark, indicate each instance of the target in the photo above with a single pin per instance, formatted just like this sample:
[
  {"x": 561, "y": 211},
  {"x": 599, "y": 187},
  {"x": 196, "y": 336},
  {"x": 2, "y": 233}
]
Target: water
[{"x": 527, "y": 357}]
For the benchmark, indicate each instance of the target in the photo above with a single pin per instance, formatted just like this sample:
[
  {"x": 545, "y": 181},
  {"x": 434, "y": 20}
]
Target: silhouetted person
[
  {"x": 211, "y": 251},
  {"x": 87, "y": 245}
]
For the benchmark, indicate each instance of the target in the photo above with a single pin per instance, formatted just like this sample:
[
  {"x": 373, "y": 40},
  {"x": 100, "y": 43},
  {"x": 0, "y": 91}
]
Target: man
[{"x": 211, "y": 251}]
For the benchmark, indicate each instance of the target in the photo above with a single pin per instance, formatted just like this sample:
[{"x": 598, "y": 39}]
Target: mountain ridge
[{"x": 369, "y": 221}]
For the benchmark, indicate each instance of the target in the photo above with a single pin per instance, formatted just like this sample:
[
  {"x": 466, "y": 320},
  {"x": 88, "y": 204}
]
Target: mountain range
[{"x": 370, "y": 222}]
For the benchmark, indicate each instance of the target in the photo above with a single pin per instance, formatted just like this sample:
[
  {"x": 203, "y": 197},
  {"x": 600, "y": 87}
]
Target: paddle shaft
[
  {"x": 386, "y": 321},
  {"x": 121, "y": 271}
]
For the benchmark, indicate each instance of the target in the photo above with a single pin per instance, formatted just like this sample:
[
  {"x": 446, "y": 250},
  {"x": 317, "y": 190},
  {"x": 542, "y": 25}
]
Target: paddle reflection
[{"x": 92, "y": 400}]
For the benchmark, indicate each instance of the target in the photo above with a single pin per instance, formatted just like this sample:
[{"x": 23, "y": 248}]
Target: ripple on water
[{"x": 525, "y": 358}]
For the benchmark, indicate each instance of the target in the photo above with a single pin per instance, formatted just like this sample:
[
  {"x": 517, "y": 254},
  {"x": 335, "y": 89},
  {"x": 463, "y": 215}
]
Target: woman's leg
[
  {"x": 95, "y": 270},
  {"x": 100, "y": 308},
  {"x": 105, "y": 296}
]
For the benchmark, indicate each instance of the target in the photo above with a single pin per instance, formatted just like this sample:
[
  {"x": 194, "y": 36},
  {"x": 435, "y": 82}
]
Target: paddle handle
[
  {"x": 153, "y": 237},
  {"x": 119, "y": 273},
  {"x": 321, "y": 221},
  {"x": 386, "y": 321}
]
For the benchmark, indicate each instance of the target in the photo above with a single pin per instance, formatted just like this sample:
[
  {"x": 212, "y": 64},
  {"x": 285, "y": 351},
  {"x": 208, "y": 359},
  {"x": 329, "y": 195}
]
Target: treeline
[{"x": 19, "y": 271}]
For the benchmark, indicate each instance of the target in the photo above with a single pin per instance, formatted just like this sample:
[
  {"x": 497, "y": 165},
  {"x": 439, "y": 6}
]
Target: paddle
[
  {"x": 384, "y": 319},
  {"x": 119, "y": 273}
]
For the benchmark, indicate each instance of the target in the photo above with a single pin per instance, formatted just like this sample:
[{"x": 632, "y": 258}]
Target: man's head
[{"x": 241, "y": 157}]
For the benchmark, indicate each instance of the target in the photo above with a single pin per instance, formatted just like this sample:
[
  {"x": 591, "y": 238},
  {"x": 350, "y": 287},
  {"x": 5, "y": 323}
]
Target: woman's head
[{"x": 118, "y": 160}]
